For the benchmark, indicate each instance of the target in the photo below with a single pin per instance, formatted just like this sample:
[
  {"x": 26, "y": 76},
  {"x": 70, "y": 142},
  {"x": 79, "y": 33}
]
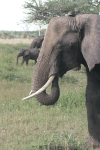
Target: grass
[{"x": 28, "y": 125}]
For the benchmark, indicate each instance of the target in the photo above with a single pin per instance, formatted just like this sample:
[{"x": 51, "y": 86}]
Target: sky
[{"x": 11, "y": 14}]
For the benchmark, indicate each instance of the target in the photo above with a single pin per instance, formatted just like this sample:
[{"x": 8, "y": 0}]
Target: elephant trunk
[
  {"x": 40, "y": 79},
  {"x": 19, "y": 55},
  {"x": 17, "y": 58},
  {"x": 46, "y": 67},
  {"x": 41, "y": 94},
  {"x": 43, "y": 97}
]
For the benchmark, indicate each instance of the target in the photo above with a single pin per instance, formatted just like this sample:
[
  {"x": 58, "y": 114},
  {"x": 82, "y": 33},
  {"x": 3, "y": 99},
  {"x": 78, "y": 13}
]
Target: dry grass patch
[{"x": 15, "y": 41}]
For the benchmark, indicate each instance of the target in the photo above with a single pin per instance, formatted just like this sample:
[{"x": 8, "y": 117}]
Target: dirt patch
[{"x": 15, "y": 41}]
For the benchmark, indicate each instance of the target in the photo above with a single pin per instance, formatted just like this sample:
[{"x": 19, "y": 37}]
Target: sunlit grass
[{"x": 28, "y": 125}]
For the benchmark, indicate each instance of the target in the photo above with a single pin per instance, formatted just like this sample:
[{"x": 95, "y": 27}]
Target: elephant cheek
[{"x": 54, "y": 69}]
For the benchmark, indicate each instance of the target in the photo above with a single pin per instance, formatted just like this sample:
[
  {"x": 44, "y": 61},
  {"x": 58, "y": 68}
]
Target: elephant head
[
  {"x": 69, "y": 41},
  {"x": 22, "y": 52}
]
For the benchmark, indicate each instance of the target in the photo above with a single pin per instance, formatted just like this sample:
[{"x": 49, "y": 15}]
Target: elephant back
[
  {"x": 37, "y": 42},
  {"x": 34, "y": 53}
]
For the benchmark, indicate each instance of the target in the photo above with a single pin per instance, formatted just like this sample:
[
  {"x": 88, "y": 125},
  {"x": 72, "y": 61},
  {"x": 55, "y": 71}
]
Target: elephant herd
[
  {"x": 70, "y": 41},
  {"x": 31, "y": 53}
]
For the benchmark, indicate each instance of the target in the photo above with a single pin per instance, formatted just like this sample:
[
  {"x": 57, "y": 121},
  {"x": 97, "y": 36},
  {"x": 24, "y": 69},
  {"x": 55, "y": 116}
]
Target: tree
[
  {"x": 25, "y": 25},
  {"x": 43, "y": 12}
]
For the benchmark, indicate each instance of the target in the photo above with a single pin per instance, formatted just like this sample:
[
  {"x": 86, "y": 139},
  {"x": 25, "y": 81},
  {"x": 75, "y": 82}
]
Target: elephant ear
[
  {"x": 91, "y": 41},
  {"x": 26, "y": 52}
]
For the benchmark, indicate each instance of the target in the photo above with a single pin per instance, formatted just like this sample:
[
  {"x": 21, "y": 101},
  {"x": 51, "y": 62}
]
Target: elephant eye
[{"x": 58, "y": 46}]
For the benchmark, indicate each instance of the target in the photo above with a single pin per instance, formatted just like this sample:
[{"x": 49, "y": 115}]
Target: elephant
[
  {"x": 37, "y": 42},
  {"x": 28, "y": 54},
  {"x": 69, "y": 42}
]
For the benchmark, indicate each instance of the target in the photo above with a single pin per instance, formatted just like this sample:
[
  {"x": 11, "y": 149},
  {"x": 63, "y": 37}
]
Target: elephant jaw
[{"x": 41, "y": 89}]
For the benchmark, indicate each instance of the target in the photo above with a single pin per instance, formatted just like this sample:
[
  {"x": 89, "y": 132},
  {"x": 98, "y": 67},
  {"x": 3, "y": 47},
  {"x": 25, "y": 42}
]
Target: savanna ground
[{"x": 28, "y": 125}]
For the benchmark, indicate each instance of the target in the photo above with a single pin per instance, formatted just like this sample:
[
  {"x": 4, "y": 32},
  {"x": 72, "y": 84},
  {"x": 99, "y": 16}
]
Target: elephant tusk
[
  {"x": 30, "y": 92},
  {"x": 41, "y": 89}
]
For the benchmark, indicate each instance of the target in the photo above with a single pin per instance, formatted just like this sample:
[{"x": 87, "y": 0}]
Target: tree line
[{"x": 19, "y": 34}]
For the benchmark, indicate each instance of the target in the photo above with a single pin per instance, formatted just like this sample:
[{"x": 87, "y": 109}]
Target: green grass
[{"x": 28, "y": 125}]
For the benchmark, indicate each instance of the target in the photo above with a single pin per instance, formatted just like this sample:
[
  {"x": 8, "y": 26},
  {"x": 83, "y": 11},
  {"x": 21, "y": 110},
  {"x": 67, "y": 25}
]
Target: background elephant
[
  {"x": 77, "y": 68},
  {"x": 37, "y": 42},
  {"x": 70, "y": 41},
  {"x": 28, "y": 54}
]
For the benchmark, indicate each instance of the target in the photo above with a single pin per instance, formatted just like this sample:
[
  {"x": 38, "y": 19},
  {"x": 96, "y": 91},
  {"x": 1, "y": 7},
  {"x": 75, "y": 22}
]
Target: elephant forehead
[{"x": 68, "y": 23}]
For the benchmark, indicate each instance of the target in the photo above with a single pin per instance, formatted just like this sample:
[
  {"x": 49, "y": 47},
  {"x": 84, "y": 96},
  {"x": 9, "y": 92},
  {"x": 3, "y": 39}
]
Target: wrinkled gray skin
[
  {"x": 69, "y": 42},
  {"x": 37, "y": 42},
  {"x": 28, "y": 54}
]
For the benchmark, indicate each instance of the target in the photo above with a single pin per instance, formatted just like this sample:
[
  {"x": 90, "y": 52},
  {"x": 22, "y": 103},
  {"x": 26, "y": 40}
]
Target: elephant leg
[
  {"x": 27, "y": 57},
  {"x": 26, "y": 62},
  {"x": 35, "y": 61},
  {"x": 93, "y": 112},
  {"x": 22, "y": 61},
  {"x": 91, "y": 143}
]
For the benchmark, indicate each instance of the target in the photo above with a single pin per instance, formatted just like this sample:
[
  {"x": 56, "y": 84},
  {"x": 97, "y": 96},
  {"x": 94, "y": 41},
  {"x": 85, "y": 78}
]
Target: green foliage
[{"x": 44, "y": 11}]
